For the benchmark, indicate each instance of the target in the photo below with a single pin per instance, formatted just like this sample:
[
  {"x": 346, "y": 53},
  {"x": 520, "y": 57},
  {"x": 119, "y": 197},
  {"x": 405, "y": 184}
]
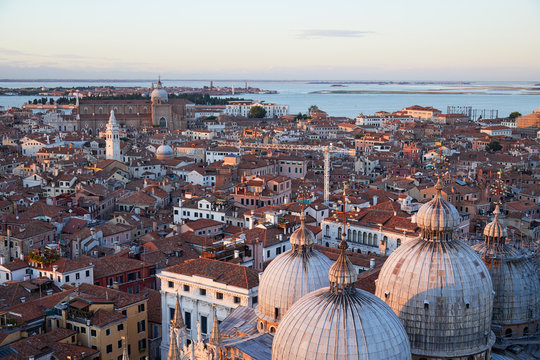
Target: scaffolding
[{"x": 473, "y": 114}]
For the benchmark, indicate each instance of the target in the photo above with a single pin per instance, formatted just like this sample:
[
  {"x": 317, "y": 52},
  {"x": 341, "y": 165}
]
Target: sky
[{"x": 271, "y": 40}]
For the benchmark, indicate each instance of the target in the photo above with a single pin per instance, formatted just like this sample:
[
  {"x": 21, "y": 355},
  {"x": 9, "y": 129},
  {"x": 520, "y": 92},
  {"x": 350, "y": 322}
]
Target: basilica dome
[
  {"x": 340, "y": 322},
  {"x": 290, "y": 276},
  {"x": 159, "y": 94},
  {"x": 437, "y": 216},
  {"x": 440, "y": 288},
  {"x": 516, "y": 305}
]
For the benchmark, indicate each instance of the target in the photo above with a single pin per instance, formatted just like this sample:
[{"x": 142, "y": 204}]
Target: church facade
[{"x": 158, "y": 111}]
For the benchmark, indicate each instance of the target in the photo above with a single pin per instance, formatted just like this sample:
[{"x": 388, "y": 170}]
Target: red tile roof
[{"x": 219, "y": 271}]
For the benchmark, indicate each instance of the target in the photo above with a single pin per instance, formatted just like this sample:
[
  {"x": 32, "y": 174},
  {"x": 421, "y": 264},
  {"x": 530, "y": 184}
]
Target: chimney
[
  {"x": 375, "y": 199},
  {"x": 236, "y": 254},
  {"x": 115, "y": 285},
  {"x": 2, "y": 260},
  {"x": 154, "y": 225},
  {"x": 49, "y": 292},
  {"x": 23, "y": 299},
  {"x": 372, "y": 263}
]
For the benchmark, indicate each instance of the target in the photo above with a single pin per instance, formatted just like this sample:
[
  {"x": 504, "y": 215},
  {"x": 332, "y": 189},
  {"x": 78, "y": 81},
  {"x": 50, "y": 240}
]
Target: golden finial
[
  {"x": 441, "y": 165},
  {"x": 499, "y": 188},
  {"x": 343, "y": 214}
]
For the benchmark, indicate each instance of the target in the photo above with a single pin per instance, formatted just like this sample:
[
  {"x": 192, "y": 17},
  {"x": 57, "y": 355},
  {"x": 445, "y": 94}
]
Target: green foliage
[
  {"x": 65, "y": 100},
  {"x": 257, "y": 112},
  {"x": 301, "y": 116},
  {"x": 359, "y": 136},
  {"x": 313, "y": 108},
  {"x": 51, "y": 101},
  {"x": 514, "y": 115},
  {"x": 493, "y": 146}
]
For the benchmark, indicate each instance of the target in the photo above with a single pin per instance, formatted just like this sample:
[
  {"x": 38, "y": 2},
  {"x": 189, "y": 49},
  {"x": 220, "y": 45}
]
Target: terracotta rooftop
[{"x": 219, "y": 271}]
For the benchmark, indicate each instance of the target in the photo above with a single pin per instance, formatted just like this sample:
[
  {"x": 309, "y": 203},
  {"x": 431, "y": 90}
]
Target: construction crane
[{"x": 327, "y": 149}]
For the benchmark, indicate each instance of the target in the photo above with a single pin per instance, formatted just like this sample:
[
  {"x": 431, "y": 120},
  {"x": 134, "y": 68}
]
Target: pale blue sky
[{"x": 352, "y": 39}]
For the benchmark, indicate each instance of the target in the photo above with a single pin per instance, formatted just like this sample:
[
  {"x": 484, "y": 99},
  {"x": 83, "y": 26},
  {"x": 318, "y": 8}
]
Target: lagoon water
[{"x": 505, "y": 97}]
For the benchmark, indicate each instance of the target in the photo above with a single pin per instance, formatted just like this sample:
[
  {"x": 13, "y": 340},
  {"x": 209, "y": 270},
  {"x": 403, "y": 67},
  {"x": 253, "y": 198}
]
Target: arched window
[
  {"x": 508, "y": 333},
  {"x": 375, "y": 240},
  {"x": 85, "y": 110},
  {"x": 100, "y": 110},
  {"x": 354, "y": 235},
  {"x": 349, "y": 235},
  {"x": 364, "y": 238},
  {"x": 327, "y": 244},
  {"x": 370, "y": 239},
  {"x": 398, "y": 242},
  {"x": 130, "y": 110},
  {"x": 272, "y": 329},
  {"x": 385, "y": 239},
  {"x": 163, "y": 122},
  {"x": 327, "y": 230},
  {"x": 526, "y": 331},
  {"x": 339, "y": 233}
]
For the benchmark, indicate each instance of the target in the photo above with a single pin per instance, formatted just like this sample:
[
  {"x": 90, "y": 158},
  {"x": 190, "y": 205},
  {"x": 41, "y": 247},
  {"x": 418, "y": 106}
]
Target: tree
[
  {"x": 257, "y": 112},
  {"x": 514, "y": 115},
  {"x": 312, "y": 108},
  {"x": 493, "y": 146},
  {"x": 51, "y": 101}
]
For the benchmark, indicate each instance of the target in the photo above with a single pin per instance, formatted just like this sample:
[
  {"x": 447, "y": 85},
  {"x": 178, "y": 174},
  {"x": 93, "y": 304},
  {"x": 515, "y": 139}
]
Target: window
[
  {"x": 67, "y": 278},
  {"x": 187, "y": 319},
  {"x": 141, "y": 307},
  {"x": 202, "y": 292},
  {"x": 87, "y": 273},
  {"x": 120, "y": 279},
  {"x": 219, "y": 296},
  {"x": 171, "y": 284},
  {"x": 141, "y": 326},
  {"x": 77, "y": 276},
  {"x": 83, "y": 330},
  {"x": 93, "y": 333},
  {"x": 119, "y": 344},
  {"x": 120, "y": 327},
  {"x": 255, "y": 300},
  {"x": 236, "y": 300},
  {"x": 108, "y": 332},
  {"x": 186, "y": 288},
  {"x": 142, "y": 344},
  {"x": 171, "y": 313},
  {"x": 109, "y": 348},
  {"x": 204, "y": 324}
]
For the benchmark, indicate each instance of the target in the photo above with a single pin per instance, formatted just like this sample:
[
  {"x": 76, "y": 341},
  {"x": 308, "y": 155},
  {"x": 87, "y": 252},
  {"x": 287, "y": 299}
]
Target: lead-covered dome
[
  {"x": 516, "y": 305},
  {"x": 437, "y": 215},
  {"x": 159, "y": 94},
  {"x": 164, "y": 152},
  {"x": 340, "y": 322},
  {"x": 440, "y": 288},
  {"x": 290, "y": 276}
]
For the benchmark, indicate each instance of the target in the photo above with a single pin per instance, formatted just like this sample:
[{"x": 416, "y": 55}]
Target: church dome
[
  {"x": 440, "y": 288},
  {"x": 516, "y": 305},
  {"x": 495, "y": 229},
  {"x": 164, "y": 152},
  {"x": 340, "y": 322},
  {"x": 437, "y": 215},
  {"x": 159, "y": 94},
  {"x": 302, "y": 236},
  {"x": 290, "y": 276}
]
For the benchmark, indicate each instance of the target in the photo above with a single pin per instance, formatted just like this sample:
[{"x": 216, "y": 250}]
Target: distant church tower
[{"x": 113, "y": 139}]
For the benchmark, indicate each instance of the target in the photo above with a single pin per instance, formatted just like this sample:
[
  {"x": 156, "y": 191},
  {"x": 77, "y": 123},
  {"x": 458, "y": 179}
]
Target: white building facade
[{"x": 200, "y": 285}]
